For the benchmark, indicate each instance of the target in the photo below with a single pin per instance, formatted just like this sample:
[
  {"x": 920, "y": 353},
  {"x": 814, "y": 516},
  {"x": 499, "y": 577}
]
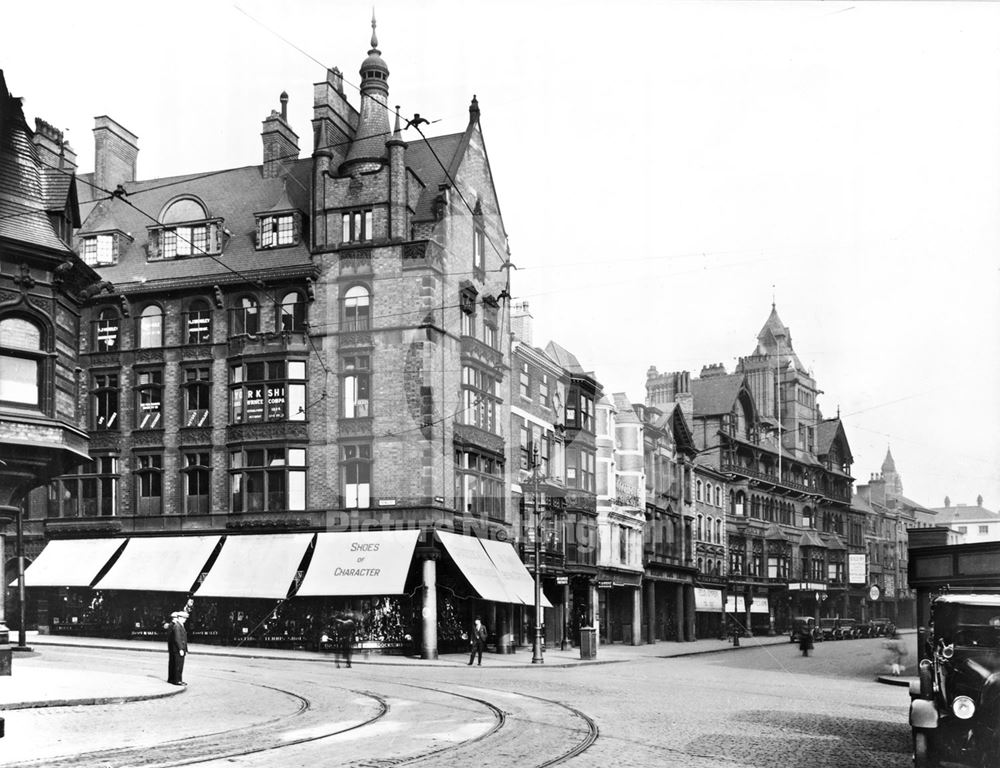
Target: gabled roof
[
  {"x": 833, "y": 541},
  {"x": 861, "y": 504},
  {"x": 774, "y": 533},
  {"x": 233, "y": 195},
  {"x": 715, "y": 395},
  {"x": 420, "y": 159},
  {"x": 564, "y": 358},
  {"x": 811, "y": 539},
  {"x": 965, "y": 513},
  {"x": 23, "y": 189},
  {"x": 626, "y": 413}
]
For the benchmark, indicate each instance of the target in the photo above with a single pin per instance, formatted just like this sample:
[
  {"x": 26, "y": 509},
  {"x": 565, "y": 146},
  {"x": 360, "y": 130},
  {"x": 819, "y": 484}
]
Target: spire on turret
[
  {"x": 474, "y": 110},
  {"x": 367, "y": 151},
  {"x": 889, "y": 465}
]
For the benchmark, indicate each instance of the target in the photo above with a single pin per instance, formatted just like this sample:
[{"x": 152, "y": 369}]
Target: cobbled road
[{"x": 759, "y": 707}]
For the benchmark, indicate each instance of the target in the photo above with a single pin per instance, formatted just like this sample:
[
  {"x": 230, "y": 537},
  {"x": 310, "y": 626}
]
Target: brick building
[
  {"x": 789, "y": 483},
  {"x": 42, "y": 287},
  {"x": 318, "y": 343}
]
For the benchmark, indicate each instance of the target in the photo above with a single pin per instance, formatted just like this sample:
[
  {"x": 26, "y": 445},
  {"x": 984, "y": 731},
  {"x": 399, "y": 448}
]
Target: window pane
[
  {"x": 18, "y": 380},
  {"x": 296, "y": 491},
  {"x": 20, "y": 334}
]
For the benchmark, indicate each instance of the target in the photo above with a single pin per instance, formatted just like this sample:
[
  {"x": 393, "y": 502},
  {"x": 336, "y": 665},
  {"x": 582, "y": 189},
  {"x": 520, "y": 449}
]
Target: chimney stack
[
  {"x": 53, "y": 149},
  {"x": 520, "y": 322},
  {"x": 281, "y": 143},
  {"x": 116, "y": 150}
]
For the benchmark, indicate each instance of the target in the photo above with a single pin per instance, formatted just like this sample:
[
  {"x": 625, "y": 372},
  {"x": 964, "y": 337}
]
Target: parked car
[
  {"x": 801, "y": 624},
  {"x": 955, "y": 702},
  {"x": 847, "y": 629},
  {"x": 881, "y": 628},
  {"x": 828, "y": 629}
]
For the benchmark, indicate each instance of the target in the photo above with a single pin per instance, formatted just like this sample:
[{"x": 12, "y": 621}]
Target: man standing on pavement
[
  {"x": 177, "y": 647},
  {"x": 477, "y": 642}
]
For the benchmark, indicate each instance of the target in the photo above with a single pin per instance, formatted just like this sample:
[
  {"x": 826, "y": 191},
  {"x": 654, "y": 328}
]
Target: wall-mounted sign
[
  {"x": 604, "y": 584},
  {"x": 874, "y": 593},
  {"x": 857, "y": 568},
  {"x": 562, "y": 579}
]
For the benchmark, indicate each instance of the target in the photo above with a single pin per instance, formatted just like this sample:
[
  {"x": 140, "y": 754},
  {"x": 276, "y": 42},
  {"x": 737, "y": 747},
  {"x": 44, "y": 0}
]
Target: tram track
[
  {"x": 167, "y": 754},
  {"x": 447, "y": 724}
]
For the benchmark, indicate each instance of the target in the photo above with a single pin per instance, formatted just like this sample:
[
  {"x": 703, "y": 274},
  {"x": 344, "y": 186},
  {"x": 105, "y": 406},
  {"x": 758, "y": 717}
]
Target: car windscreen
[{"x": 970, "y": 625}]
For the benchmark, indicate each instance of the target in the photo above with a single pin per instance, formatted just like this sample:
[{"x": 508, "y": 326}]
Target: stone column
[
  {"x": 429, "y": 611},
  {"x": 679, "y": 612},
  {"x": 637, "y": 616},
  {"x": 650, "y": 587},
  {"x": 7, "y": 515}
]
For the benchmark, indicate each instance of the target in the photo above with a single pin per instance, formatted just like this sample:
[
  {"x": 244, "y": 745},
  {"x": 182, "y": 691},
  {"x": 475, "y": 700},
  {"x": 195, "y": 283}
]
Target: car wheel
[{"x": 922, "y": 755}]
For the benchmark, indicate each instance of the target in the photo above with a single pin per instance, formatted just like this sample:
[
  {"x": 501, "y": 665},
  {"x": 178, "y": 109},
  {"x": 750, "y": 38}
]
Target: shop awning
[
  {"x": 362, "y": 563},
  {"x": 471, "y": 558},
  {"x": 513, "y": 573},
  {"x": 160, "y": 564},
  {"x": 70, "y": 562},
  {"x": 261, "y": 565}
]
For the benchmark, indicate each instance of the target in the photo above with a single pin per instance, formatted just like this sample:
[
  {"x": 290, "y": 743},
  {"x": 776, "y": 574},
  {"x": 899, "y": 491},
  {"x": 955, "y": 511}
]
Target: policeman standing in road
[{"x": 177, "y": 647}]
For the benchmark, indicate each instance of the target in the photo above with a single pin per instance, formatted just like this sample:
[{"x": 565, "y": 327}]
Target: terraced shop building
[{"x": 314, "y": 344}]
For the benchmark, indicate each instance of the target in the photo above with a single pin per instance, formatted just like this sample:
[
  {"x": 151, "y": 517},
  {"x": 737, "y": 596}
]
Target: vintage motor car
[
  {"x": 801, "y": 624},
  {"x": 829, "y": 629},
  {"x": 955, "y": 703},
  {"x": 847, "y": 629},
  {"x": 881, "y": 628}
]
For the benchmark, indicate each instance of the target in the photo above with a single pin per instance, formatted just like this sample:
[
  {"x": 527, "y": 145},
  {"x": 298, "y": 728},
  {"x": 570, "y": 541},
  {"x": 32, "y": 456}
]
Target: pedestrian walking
[
  {"x": 477, "y": 642},
  {"x": 177, "y": 647},
  {"x": 896, "y": 653},
  {"x": 805, "y": 641},
  {"x": 345, "y": 628}
]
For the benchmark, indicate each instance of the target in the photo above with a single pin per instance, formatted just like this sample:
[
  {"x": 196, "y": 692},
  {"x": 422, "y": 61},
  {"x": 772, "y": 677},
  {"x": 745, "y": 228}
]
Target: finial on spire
[
  {"x": 474, "y": 110},
  {"x": 374, "y": 37}
]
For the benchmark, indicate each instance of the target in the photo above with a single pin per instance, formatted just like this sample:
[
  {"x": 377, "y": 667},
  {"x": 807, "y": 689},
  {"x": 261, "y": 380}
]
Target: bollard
[{"x": 736, "y": 639}]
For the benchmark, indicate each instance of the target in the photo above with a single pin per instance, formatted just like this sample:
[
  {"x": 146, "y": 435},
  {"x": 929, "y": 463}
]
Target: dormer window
[
  {"x": 98, "y": 250},
  {"x": 185, "y": 230},
  {"x": 276, "y": 231}
]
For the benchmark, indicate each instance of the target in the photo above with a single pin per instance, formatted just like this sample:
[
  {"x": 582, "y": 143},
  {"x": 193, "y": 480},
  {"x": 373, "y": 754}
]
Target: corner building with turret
[{"x": 280, "y": 354}]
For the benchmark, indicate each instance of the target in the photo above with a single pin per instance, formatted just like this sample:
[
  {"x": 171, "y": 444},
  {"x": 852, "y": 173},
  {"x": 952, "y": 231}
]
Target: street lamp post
[{"x": 536, "y": 648}]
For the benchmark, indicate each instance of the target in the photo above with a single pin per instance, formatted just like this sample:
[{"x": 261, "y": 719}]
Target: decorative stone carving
[
  {"x": 195, "y": 436},
  {"x": 276, "y": 430},
  {"x": 197, "y": 353},
  {"x": 147, "y": 438},
  {"x": 355, "y": 428},
  {"x": 106, "y": 441}
]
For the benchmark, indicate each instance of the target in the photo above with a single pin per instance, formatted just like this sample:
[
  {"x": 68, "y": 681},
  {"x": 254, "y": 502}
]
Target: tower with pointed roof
[
  {"x": 784, "y": 391},
  {"x": 893, "y": 481}
]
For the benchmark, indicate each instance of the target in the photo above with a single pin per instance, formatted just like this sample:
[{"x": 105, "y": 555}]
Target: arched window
[
  {"x": 698, "y": 491},
  {"x": 198, "y": 322},
  {"x": 183, "y": 210},
  {"x": 21, "y": 362},
  {"x": 718, "y": 531},
  {"x": 151, "y": 327},
  {"x": 293, "y": 312},
  {"x": 245, "y": 317},
  {"x": 718, "y": 495},
  {"x": 700, "y": 529},
  {"x": 357, "y": 309},
  {"x": 107, "y": 330},
  {"x": 700, "y": 564},
  {"x": 739, "y": 501}
]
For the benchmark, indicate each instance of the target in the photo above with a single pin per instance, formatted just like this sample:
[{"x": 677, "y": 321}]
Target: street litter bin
[{"x": 588, "y": 643}]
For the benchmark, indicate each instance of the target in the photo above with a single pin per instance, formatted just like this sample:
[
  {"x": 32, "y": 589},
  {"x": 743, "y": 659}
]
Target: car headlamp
[{"x": 963, "y": 707}]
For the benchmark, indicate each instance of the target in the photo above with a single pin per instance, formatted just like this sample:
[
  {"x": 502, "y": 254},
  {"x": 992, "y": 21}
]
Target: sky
[{"x": 665, "y": 171}]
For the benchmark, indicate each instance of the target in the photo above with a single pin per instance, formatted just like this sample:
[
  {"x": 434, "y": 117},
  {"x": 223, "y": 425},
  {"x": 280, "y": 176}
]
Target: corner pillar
[{"x": 429, "y": 611}]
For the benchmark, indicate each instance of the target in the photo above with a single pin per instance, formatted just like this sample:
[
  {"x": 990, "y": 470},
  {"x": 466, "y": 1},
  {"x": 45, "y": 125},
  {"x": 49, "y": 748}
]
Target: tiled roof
[
  {"x": 826, "y": 431},
  {"x": 811, "y": 539},
  {"x": 964, "y": 513},
  {"x": 563, "y": 357},
  {"x": 233, "y": 195},
  {"x": 626, "y": 414},
  {"x": 23, "y": 199},
  {"x": 774, "y": 533},
  {"x": 833, "y": 541},
  {"x": 420, "y": 159},
  {"x": 715, "y": 395}
]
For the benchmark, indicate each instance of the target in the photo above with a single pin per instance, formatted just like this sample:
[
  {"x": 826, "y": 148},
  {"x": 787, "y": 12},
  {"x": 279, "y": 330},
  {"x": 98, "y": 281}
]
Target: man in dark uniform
[
  {"x": 177, "y": 647},
  {"x": 477, "y": 642}
]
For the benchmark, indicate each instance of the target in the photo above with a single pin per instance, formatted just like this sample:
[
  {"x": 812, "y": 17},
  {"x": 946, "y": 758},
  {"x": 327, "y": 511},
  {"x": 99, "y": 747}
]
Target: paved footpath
[{"x": 36, "y": 684}]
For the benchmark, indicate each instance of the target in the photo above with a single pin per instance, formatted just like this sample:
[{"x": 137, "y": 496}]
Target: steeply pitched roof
[
  {"x": 564, "y": 357},
  {"x": 715, "y": 395},
  {"x": 626, "y": 413},
  {"x": 811, "y": 539},
  {"x": 23, "y": 195},
  {"x": 233, "y": 195},
  {"x": 420, "y": 159}
]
